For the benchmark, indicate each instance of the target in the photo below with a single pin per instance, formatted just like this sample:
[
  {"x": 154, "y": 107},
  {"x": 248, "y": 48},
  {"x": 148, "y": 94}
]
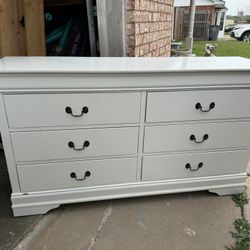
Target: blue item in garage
[
  {"x": 48, "y": 18},
  {"x": 64, "y": 38},
  {"x": 55, "y": 35}
]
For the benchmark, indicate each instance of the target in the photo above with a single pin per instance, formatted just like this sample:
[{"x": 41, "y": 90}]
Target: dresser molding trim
[
  {"x": 120, "y": 82},
  {"x": 41, "y": 202}
]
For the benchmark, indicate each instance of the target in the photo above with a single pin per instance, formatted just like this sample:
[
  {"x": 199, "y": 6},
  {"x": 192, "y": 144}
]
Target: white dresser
[{"x": 86, "y": 129}]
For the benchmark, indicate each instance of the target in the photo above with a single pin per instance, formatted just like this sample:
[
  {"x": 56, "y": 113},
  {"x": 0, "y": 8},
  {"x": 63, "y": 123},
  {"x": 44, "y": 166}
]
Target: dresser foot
[
  {"x": 227, "y": 191},
  {"x": 34, "y": 210}
]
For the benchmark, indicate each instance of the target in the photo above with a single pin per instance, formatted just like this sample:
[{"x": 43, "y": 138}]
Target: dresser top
[{"x": 121, "y": 65}]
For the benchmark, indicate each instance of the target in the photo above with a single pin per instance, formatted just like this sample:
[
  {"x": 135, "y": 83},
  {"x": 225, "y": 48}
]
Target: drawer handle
[
  {"x": 198, "y": 106},
  {"x": 85, "y": 110},
  {"x": 73, "y": 175},
  {"x": 72, "y": 145},
  {"x": 188, "y": 166},
  {"x": 193, "y": 138}
]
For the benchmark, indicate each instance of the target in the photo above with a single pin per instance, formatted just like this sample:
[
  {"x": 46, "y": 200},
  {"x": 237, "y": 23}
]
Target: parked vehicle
[
  {"x": 230, "y": 28},
  {"x": 241, "y": 32}
]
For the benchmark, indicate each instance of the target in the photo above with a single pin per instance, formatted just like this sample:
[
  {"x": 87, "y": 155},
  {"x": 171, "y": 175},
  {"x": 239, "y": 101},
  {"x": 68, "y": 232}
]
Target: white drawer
[
  {"x": 69, "y": 144},
  {"x": 193, "y": 165},
  {"x": 184, "y": 105},
  {"x": 76, "y": 174},
  {"x": 196, "y": 136},
  {"x": 36, "y": 110}
]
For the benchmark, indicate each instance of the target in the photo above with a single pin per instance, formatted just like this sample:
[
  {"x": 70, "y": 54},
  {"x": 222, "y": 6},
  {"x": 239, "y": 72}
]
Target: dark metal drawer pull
[
  {"x": 72, "y": 145},
  {"x": 85, "y": 110},
  {"x": 188, "y": 166},
  {"x": 211, "y": 106},
  {"x": 73, "y": 175},
  {"x": 193, "y": 138}
]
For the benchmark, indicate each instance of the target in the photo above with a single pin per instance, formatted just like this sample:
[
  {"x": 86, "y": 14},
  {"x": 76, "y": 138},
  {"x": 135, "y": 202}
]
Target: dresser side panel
[{"x": 8, "y": 150}]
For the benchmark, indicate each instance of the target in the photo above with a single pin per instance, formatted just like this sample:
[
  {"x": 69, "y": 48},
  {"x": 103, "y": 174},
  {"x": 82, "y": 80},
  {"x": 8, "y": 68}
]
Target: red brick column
[{"x": 149, "y": 27}]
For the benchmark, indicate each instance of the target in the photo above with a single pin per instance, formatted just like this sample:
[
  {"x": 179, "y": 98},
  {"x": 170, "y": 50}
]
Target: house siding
[
  {"x": 201, "y": 26},
  {"x": 209, "y": 9},
  {"x": 149, "y": 27}
]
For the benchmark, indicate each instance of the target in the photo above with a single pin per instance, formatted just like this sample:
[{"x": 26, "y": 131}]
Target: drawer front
[
  {"x": 193, "y": 165},
  {"x": 76, "y": 174},
  {"x": 72, "y": 109},
  {"x": 69, "y": 144},
  {"x": 198, "y": 105},
  {"x": 196, "y": 136}
]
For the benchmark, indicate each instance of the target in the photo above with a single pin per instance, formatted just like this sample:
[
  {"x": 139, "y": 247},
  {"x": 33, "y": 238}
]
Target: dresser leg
[
  {"x": 34, "y": 210},
  {"x": 227, "y": 191}
]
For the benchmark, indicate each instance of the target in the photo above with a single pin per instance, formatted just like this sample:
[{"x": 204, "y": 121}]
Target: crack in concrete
[{"x": 107, "y": 214}]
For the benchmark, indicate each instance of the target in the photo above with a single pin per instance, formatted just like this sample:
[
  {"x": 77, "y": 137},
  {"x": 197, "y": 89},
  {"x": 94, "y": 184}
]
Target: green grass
[
  {"x": 225, "y": 48},
  {"x": 241, "y": 233}
]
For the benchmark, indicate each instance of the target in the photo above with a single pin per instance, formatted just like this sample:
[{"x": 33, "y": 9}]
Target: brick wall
[{"x": 149, "y": 27}]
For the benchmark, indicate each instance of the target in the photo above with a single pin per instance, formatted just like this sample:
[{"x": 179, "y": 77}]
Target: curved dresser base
[
  {"x": 228, "y": 190},
  {"x": 42, "y": 202}
]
